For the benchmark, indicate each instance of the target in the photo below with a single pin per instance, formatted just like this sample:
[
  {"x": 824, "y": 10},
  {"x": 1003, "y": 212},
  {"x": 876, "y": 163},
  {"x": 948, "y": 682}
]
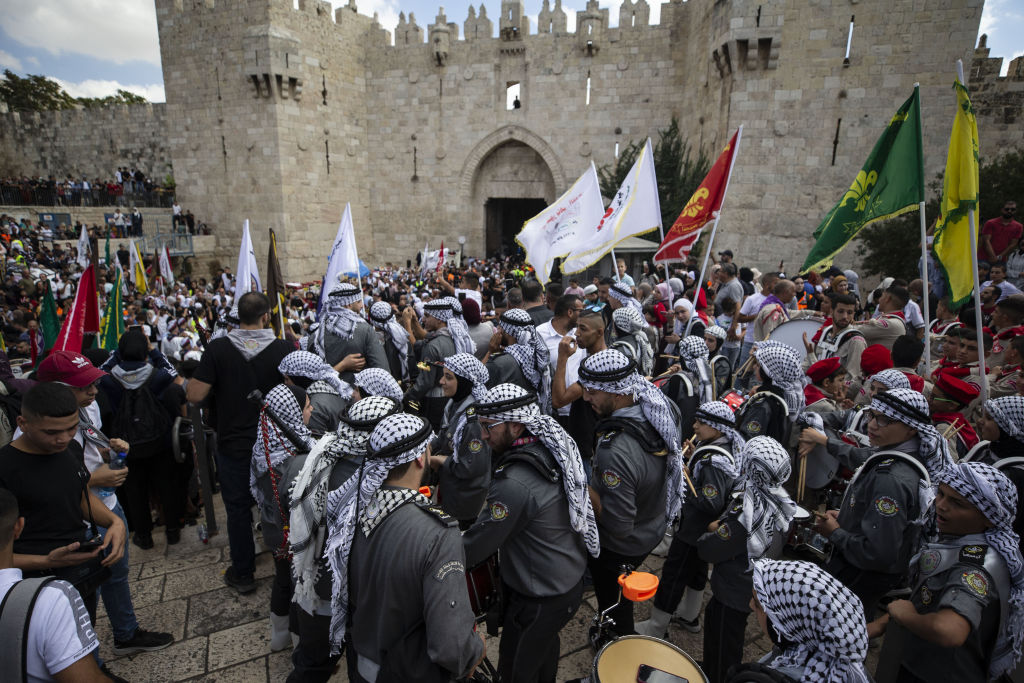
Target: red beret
[
  {"x": 916, "y": 381},
  {"x": 823, "y": 369},
  {"x": 955, "y": 388},
  {"x": 875, "y": 359}
]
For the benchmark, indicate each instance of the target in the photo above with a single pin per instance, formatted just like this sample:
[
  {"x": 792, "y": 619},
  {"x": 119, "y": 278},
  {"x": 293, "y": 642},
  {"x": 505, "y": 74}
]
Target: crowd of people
[
  {"x": 127, "y": 185},
  {"x": 403, "y": 431}
]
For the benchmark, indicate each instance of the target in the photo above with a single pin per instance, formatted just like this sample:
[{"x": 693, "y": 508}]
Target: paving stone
[
  {"x": 167, "y": 565},
  {"x": 167, "y": 617},
  {"x": 178, "y": 662},
  {"x": 224, "y": 608},
  {"x": 239, "y": 644},
  {"x": 253, "y": 671}
]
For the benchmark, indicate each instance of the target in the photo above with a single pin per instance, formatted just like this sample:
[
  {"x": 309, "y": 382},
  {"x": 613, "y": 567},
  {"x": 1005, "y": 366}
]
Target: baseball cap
[{"x": 70, "y": 368}]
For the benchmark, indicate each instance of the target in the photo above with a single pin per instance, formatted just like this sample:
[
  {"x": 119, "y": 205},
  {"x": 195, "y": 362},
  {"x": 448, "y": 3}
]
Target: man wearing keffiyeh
[
  {"x": 1002, "y": 428},
  {"x": 752, "y": 527},
  {"x": 376, "y": 382},
  {"x": 714, "y": 465},
  {"x": 327, "y": 393},
  {"x": 691, "y": 382},
  {"x": 425, "y": 393},
  {"x": 335, "y": 457},
  {"x": 637, "y": 471},
  {"x": 393, "y": 337},
  {"x": 526, "y": 361},
  {"x": 344, "y": 334},
  {"x": 412, "y": 621},
  {"x": 779, "y": 400},
  {"x": 965, "y": 616},
  {"x": 539, "y": 515},
  {"x": 882, "y": 514},
  {"x": 631, "y": 339},
  {"x": 620, "y": 294}
]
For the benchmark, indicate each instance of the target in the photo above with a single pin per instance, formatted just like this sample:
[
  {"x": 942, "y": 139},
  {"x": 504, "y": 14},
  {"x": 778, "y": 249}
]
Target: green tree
[
  {"x": 893, "y": 247},
  {"x": 678, "y": 167},
  {"x": 122, "y": 97},
  {"x": 33, "y": 93}
]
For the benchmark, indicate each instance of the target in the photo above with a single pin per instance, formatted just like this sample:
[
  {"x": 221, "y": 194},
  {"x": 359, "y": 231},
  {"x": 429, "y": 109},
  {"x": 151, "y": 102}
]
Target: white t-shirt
[
  {"x": 912, "y": 312},
  {"x": 551, "y": 339},
  {"x": 751, "y": 306},
  {"x": 60, "y": 632},
  {"x": 471, "y": 294}
]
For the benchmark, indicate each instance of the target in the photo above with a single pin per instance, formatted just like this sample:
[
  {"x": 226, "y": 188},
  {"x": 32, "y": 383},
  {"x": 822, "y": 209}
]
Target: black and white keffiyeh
[
  {"x": 272, "y": 447},
  {"x": 610, "y": 370},
  {"x": 629, "y": 321},
  {"x": 820, "y": 616},
  {"x": 911, "y": 408},
  {"x": 995, "y": 496},
  {"x": 382, "y": 316},
  {"x": 377, "y": 382},
  {"x": 720, "y": 416},
  {"x": 782, "y": 365},
  {"x": 336, "y": 317},
  {"x": 308, "y": 495},
  {"x": 449, "y": 311},
  {"x": 891, "y": 379},
  {"x": 530, "y": 352},
  {"x": 767, "y": 508},
  {"x": 468, "y": 367},
  {"x": 623, "y": 293},
  {"x": 312, "y": 366},
  {"x": 511, "y": 403},
  {"x": 396, "y": 440},
  {"x": 694, "y": 353},
  {"x": 716, "y": 331},
  {"x": 1008, "y": 412}
]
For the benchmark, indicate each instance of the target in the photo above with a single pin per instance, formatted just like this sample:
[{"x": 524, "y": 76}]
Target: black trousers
[
  {"x": 604, "y": 571},
  {"x": 723, "y": 639},
  {"x": 233, "y": 474},
  {"x": 312, "y": 661},
  {"x": 157, "y": 473},
  {"x": 529, "y": 635},
  {"x": 281, "y": 590},
  {"x": 683, "y": 568}
]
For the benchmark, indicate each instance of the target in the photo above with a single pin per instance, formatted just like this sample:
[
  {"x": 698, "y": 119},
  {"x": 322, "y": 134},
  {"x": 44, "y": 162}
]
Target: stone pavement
[{"x": 223, "y": 636}]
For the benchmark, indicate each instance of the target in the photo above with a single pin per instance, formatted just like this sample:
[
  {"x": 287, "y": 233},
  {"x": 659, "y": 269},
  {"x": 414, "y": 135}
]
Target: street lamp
[{"x": 462, "y": 246}]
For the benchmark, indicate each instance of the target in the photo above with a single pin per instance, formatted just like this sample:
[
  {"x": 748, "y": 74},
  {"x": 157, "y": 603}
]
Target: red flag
[
  {"x": 440, "y": 260},
  {"x": 84, "y": 316},
  {"x": 702, "y": 208}
]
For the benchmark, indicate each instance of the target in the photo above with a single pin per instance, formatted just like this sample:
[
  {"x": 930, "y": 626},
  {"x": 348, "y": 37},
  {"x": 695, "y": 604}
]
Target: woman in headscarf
[
  {"x": 814, "y": 622},
  {"x": 714, "y": 465},
  {"x": 458, "y": 451},
  {"x": 281, "y": 434},
  {"x": 327, "y": 393},
  {"x": 375, "y": 382},
  {"x": 721, "y": 363},
  {"x": 681, "y": 310},
  {"x": 752, "y": 527},
  {"x": 395, "y": 339},
  {"x": 779, "y": 399},
  {"x": 631, "y": 339}
]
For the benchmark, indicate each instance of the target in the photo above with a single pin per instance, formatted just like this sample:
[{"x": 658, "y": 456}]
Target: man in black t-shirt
[
  {"x": 231, "y": 368},
  {"x": 45, "y": 471}
]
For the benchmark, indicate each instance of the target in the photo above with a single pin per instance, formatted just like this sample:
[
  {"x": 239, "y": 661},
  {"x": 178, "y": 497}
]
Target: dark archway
[{"x": 504, "y": 218}]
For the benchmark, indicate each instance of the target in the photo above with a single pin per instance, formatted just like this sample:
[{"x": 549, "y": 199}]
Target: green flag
[
  {"x": 890, "y": 183},
  {"x": 106, "y": 249},
  {"x": 49, "y": 323},
  {"x": 112, "y": 325}
]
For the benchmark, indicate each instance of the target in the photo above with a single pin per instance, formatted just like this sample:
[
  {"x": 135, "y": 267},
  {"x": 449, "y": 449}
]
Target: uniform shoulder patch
[
  {"x": 754, "y": 427},
  {"x": 709, "y": 491},
  {"x": 475, "y": 446},
  {"x": 976, "y": 582},
  {"x": 723, "y": 531},
  {"x": 499, "y": 511},
  {"x": 973, "y": 554},
  {"x": 448, "y": 568},
  {"x": 926, "y": 596},
  {"x": 886, "y": 506},
  {"x": 610, "y": 479},
  {"x": 438, "y": 514}
]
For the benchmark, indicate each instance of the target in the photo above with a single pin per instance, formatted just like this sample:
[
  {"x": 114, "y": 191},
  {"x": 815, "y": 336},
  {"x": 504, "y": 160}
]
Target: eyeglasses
[
  {"x": 491, "y": 425},
  {"x": 880, "y": 419}
]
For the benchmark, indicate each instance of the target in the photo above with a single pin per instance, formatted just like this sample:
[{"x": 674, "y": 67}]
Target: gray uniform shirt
[
  {"x": 364, "y": 340},
  {"x": 438, "y": 346},
  {"x": 502, "y": 368},
  {"x": 629, "y": 477},
  {"x": 464, "y": 479},
  {"x": 527, "y": 517}
]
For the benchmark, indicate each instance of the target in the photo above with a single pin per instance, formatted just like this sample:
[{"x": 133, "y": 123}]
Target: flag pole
[
  {"x": 926, "y": 304},
  {"x": 979, "y": 333},
  {"x": 664, "y": 264},
  {"x": 615, "y": 266},
  {"x": 714, "y": 228}
]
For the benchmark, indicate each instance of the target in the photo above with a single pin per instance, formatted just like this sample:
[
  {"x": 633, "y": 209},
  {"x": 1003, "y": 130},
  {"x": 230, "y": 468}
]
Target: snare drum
[
  {"x": 804, "y": 539},
  {"x": 484, "y": 585},
  {"x": 620, "y": 661}
]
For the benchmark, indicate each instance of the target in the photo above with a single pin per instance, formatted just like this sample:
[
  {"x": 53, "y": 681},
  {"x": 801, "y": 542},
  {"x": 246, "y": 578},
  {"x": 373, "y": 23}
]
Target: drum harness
[{"x": 831, "y": 348}]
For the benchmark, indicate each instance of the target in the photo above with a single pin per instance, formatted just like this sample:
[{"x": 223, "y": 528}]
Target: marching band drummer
[
  {"x": 827, "y": 387},
  {"x": 691, "y": 382},
  {"x": 948, "y": 400},
  {"x": 458, "y": 452},
  {"x": 965, "y": 616},
  {"x": 539, "y": 515},
  {"x": 840, "y": 339},
  {"x": 714, "y": 467},
  {"x": 773, "y": 408},
  {"x": 878, "y": 525}
]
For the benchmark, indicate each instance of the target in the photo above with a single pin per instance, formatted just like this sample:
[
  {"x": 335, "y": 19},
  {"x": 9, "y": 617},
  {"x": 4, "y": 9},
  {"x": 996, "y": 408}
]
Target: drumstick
[
  {"x": 746, "y": 366},
  {"x": 819, "y": 515},
  {"x": 802, "y": 480},
  {"x": 952, "y": 430},
  {"x": 689, "y": 481}
]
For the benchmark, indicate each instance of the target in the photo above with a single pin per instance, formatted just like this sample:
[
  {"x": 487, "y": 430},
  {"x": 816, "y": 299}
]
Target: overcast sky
[{"x": 94, "y": 47}]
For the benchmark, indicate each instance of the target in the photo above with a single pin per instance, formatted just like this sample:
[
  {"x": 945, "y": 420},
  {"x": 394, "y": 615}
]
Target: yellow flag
[{"x": 953, "y": 246}]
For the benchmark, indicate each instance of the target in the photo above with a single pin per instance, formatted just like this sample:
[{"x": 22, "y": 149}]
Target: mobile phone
[
  {"x": 90, "y": 545},
  {"x": 648, "y": 674}
]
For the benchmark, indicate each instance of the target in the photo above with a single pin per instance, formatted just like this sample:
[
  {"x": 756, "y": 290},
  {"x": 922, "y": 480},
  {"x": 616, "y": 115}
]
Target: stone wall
[
  {"x": 85, "y": 142},
  {"x": 998, "y": 102}
]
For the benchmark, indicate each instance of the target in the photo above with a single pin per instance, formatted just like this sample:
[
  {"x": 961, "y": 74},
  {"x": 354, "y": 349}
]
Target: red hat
[
  {"x": 955, "y": 388},
  {"x": 70, "y": 368},
  {"x": 874, "y": 359},
  {"x": 916, "y": 381},
  {"x": 823, "y": 369}
]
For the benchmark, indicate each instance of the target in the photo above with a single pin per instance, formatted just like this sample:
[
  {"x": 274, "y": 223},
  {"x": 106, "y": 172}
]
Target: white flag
[
  {"x": 165, "y": 265},
  {"x": 423, "y": 258},
  {"x": 634, "y": 210},
  {"x": 343, "y": 258},
  {"x": 83, "y": 249},
  {"x": 564, "y": 227},
  {"x": 247, "y": 275}
]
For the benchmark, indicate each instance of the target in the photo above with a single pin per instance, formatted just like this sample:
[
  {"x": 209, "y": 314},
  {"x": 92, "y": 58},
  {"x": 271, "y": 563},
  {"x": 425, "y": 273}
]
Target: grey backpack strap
[{"x": 15, "y": 615}]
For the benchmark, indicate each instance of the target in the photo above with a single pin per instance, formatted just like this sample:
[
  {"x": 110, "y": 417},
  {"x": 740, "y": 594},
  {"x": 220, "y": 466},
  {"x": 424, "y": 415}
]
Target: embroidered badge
[
  {"x": 976, "y": 582},
  {"x": 471, "y": 411},
  {"x": 610, "y": 479},
  {"x": 926, "y": 596},
  {"x": 709, "y": 491},
  {"x": 475, "y": 445},
  {"x": 499, "y": 511},
  {"x": 723, "y": 532},
  {"x": 929, "y": 561},
  {"x": 372, "y": 508},
  {"x": 887, "y": 461},
  {"x": 754, "y": 427},
  {"x": 447, "y": 568},
  {"x": 974, "y": 550},
  {"x": 886, "y": 506}
]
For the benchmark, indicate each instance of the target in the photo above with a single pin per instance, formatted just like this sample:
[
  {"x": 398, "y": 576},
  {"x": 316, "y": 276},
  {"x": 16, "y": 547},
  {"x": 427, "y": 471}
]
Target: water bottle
[
  {"x": 204, "y": 534},
  {"x": 116, "y": 463}
]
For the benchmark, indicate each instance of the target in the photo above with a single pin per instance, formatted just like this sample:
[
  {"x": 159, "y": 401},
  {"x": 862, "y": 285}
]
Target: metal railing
[
  {"x": 178, "y": 244},
  {"x": 45, "y": 194}
]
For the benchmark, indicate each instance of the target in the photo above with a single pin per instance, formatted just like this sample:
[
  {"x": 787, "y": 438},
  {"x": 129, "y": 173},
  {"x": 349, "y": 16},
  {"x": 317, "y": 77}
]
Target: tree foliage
[
  {"x": 678, "y": 167},
  {"x": 893, "y": 247},
  {"x": 39, "y": 93}
]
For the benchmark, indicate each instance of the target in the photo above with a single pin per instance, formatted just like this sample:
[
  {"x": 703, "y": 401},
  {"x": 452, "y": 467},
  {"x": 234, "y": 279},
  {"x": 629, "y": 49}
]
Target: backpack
[
  {"x": 139, "y": 419},
  {"x": 15, "y": 617}
]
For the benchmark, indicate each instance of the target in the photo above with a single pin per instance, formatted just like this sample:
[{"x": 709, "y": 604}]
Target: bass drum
[
  {"x": 642, "y": 658},
  {"x": 791, "y": 333}
]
